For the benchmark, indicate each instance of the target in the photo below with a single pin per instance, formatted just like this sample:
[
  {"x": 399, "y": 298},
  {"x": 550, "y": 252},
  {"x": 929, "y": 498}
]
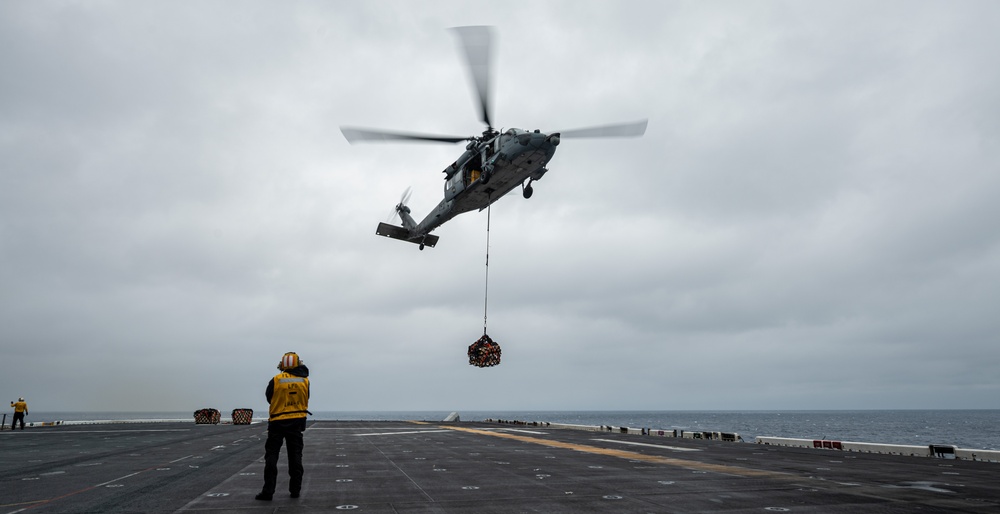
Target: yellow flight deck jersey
[
  {"x": 19, "y": 406},
  {"x": 290, "y": 398}
]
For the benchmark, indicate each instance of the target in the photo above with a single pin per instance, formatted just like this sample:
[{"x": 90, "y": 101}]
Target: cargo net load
[
  {"x": 242, "y": 416},
  {"x": 484, "y": 352},
  {"x": 207, "y": 417}
]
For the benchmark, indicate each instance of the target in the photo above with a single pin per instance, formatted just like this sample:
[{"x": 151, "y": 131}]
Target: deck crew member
[
  {"x": 288, "y": 394},
  {"x": 20, "y": 411}
]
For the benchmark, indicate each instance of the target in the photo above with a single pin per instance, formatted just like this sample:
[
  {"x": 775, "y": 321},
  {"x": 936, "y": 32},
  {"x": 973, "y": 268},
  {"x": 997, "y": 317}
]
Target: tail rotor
[{"x": 401, "y": 206}]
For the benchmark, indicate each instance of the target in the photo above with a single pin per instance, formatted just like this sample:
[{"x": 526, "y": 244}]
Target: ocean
[{"x": 973, "y": 429}]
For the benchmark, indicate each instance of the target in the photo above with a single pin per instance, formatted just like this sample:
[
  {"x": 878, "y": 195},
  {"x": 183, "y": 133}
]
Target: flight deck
[{"x": 462, "y": 467}]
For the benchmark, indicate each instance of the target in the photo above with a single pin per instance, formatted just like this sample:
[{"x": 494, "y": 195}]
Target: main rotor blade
[
  {"x": 633, "y": 129},
  {"x": 354, "y": 135},
  {"x": 477, "y": 43}
]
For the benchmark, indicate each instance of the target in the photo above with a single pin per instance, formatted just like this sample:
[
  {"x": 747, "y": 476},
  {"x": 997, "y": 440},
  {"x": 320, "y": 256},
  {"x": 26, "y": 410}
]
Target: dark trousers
[
  {"x": 288, "y": 432},
  {"x": 18, "y": 416}
]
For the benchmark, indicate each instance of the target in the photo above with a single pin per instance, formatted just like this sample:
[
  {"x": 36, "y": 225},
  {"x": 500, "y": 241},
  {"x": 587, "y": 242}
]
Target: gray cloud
[{"x": 809, "y": 215}]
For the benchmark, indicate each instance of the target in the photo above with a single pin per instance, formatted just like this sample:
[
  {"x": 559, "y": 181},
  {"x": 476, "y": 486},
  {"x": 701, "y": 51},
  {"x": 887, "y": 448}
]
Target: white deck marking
[
  {"x": 400, "y": 433},
  {"x": 112, "y": 431},
  {"x": 674, "y": 448},
  {"x": 119, "y": 478}
]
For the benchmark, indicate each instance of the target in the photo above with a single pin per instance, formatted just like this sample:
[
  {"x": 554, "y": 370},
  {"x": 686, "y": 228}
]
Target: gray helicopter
[{"x": 493, "y": 163}]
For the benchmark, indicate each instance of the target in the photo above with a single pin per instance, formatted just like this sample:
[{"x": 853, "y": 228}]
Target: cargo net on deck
[
  {"x": 207, "y": 417},
  {"x": 484, "y": 352},
  {"x": 242, "y": 416}
]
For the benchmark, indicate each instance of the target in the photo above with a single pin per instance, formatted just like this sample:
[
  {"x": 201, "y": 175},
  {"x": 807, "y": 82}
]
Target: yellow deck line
[{"x": 625, "y": 454}]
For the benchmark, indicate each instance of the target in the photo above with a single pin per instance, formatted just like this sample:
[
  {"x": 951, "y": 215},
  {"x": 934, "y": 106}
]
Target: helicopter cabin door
[{"x": 473, "y": 169}]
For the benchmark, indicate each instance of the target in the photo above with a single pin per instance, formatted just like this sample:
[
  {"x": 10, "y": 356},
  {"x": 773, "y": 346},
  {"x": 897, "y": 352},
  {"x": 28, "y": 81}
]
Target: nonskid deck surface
[{"x": 465, "y": 467}]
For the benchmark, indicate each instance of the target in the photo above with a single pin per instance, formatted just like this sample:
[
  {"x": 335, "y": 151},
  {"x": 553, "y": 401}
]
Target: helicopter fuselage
[
  {"x": 493, "y": 164},
  {"x": 487, "y": 171}
]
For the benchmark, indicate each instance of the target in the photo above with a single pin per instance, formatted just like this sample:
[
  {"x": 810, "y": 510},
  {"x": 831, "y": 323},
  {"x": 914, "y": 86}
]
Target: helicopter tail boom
[{"x": 400, "y": 233}]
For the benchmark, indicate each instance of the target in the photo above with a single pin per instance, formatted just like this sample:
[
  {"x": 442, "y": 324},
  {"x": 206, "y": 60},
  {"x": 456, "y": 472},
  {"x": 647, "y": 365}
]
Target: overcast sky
[{"x": 809, "y": 222}]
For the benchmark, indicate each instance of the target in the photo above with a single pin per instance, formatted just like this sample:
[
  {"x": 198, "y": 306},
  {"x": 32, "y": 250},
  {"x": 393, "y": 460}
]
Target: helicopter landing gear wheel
[
  {"x": 421, "y": 247},
  {"x": 527, "y": 191}
]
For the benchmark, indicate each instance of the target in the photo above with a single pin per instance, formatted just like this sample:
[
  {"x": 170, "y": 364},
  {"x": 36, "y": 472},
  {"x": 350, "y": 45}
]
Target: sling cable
[{"x": 485, "y": 352}]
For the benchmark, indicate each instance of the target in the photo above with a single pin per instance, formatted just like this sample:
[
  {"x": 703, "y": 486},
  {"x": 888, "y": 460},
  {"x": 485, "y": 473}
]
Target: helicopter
[{"x": 493, "y": 164}]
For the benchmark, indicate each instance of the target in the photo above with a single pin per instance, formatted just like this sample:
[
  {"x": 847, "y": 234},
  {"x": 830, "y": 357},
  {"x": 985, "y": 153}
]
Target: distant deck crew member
[
  {"x": 288, "y": 394},
  {"x": 20, "y": 411}
]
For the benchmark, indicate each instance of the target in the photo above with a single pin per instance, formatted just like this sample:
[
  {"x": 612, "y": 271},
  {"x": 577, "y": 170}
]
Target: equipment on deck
[
  {"x": 242, "y": 416},
  {"x": 207, "y": 417}
]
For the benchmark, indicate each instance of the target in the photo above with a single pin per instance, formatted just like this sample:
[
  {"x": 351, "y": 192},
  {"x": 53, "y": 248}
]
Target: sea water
[{"x": 972, "y": 429}]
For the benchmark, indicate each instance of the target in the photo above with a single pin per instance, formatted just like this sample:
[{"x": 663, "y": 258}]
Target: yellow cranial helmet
[{"x": 289, "y": 360}]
